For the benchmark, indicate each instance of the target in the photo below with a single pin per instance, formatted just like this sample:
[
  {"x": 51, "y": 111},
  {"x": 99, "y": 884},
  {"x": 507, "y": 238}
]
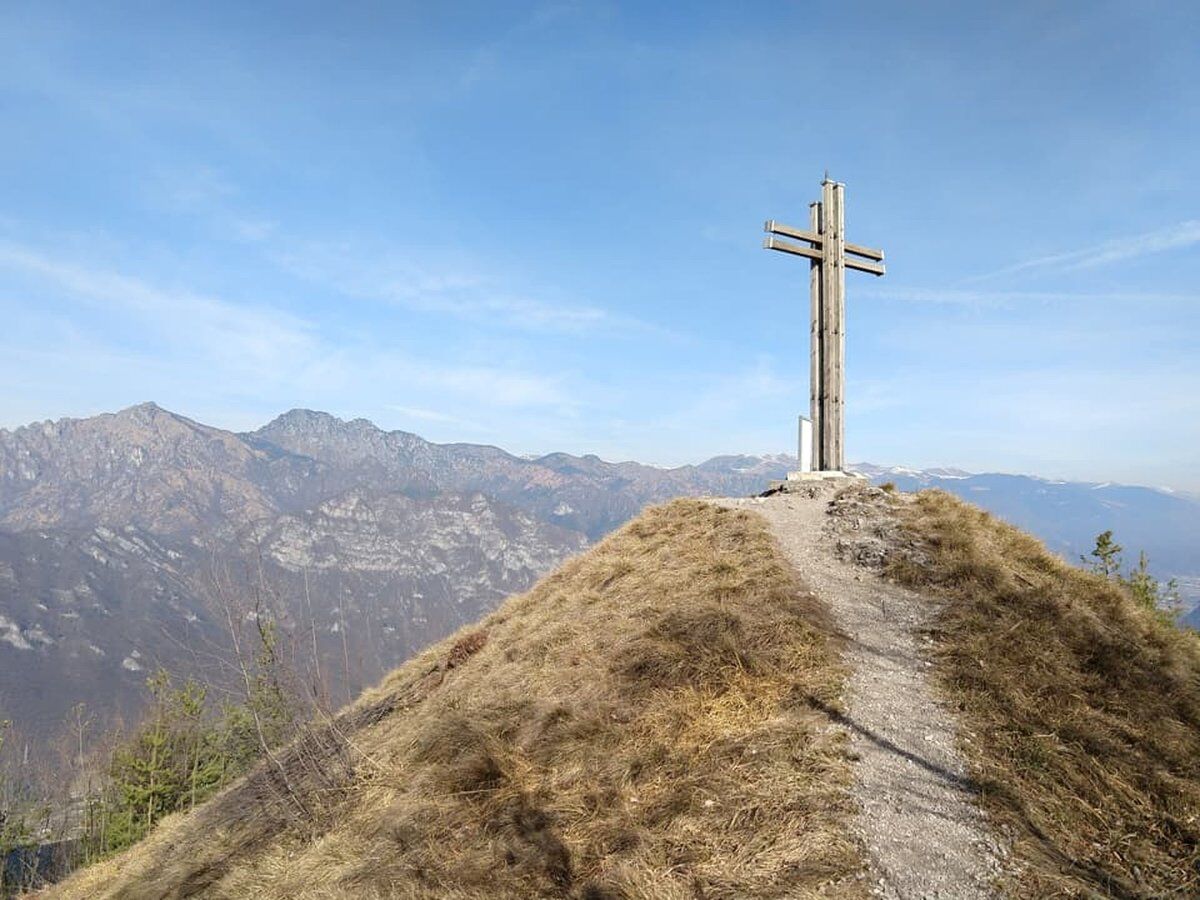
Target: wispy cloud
[
  {"x": 243, "y": 348},
  {"x": 248, "y": 338},
  {"x": 724, "y": 394},
  {"x": 1172, "y": 237},
  {"x": 206, "y": 193},
  {"x": 486, "y": 60},
  {"x": 494, "y": 385},
  {"x": 466, "y": 298},
  {"x": 979, "y": 298},
  {"x": 463, "y": 293},
  {"x": 428, "y": 415},
  {"x": 428, "y": 281}
]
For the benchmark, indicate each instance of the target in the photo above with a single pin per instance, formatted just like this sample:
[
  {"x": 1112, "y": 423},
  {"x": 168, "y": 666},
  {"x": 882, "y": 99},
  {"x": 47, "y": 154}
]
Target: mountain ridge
[
  {"x": 110, "y": 526},
  {"x": 118, "y": 517},
  {"x": 1068, "y": 515}
]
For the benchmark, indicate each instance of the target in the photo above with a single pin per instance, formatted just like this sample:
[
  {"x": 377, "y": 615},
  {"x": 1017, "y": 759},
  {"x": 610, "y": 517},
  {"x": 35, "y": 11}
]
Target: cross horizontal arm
[
  {"x": 861, "y": 265},
  {"x": 773, "y": 243},
  {"x": 774, "y": 227}
]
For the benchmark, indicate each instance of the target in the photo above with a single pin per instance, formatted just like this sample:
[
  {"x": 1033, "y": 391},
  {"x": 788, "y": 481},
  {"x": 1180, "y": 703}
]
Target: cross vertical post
[
  {"x": 816, "y": 364},
  {"x": 828, "y": 261},
  {"x": 833, "y": 298}
]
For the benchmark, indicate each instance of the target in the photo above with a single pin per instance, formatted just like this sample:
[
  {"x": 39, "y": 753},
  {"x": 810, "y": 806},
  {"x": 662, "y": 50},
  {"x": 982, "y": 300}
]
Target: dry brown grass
[
  {"x": 638, "y": 725},
  {"x": 1080, "y": 711}
]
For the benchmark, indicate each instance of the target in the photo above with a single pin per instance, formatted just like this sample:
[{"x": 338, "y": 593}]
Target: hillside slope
[
  {"x": 954, "y": 712},
  {"x": 644, "y": 723},
  {"x": 1080, "y": 710}
]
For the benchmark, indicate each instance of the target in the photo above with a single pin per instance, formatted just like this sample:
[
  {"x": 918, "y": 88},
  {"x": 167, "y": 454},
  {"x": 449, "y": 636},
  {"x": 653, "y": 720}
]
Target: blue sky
[{"x": 538, "y": 225}]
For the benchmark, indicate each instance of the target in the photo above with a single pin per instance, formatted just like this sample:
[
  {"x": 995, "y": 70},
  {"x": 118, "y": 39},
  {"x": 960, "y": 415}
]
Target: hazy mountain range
[
  {"x": 1068, "y": 515},
  {"x": 126, "y": 540}
]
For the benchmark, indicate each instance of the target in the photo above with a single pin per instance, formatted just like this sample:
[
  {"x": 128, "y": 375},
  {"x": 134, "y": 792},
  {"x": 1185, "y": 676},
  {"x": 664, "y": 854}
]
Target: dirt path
[{"x": 920, "y": 824}]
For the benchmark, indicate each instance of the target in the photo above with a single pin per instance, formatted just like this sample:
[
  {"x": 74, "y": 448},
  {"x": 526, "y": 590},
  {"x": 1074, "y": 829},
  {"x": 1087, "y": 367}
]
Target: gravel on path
[{"x": 920, "y": 822}]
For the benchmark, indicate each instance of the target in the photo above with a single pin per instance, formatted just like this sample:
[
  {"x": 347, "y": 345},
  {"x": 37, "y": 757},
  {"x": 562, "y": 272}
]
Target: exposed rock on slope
[
  {"x": 582, "y": 493},
  {"x": 143, "y": 466}
]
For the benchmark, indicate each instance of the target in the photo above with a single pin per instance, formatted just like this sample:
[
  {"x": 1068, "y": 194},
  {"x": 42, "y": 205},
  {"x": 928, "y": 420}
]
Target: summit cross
[{"x": 829, "y": 257}]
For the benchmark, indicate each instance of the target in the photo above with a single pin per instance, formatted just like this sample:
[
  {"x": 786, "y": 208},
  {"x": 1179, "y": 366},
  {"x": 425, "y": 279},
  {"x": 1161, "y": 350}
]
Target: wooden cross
[{"x": 830, "y": 255}]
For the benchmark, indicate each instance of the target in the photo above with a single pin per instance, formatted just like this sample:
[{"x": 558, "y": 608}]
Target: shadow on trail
[
  {"x": 1107, "y": 883},
  {"x": 956, "y": 780}
]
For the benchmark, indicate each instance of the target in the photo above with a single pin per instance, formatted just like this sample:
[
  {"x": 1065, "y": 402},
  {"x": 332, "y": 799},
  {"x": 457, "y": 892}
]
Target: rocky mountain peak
[
  {"x": 143, "y": 464},
  {"x": 327, "y": 438},
  {"x": 303, "y": 421},
  {"x": 143, "y": 412},
  {"x": 306, "y": 426},
  {"x": 152, "y": 426}
]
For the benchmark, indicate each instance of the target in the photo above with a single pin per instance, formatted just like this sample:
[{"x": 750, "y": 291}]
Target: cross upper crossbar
[{"x": 772, "y": 243}]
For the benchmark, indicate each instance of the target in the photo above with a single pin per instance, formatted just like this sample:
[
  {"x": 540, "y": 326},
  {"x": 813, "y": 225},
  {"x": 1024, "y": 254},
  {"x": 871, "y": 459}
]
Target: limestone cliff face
[
  {"x": 124, "y": 536},
  {"x": 585, "y": 493},
  {"x": 142, "y": 466}
]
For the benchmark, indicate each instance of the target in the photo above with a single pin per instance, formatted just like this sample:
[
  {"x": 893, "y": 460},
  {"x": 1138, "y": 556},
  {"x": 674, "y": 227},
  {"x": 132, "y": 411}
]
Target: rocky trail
[{"x": 920, "y": 823}]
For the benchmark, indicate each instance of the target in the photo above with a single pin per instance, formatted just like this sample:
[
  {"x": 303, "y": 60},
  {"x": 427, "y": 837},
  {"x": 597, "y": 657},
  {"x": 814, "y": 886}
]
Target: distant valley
[{"x": 127, "y": 542}]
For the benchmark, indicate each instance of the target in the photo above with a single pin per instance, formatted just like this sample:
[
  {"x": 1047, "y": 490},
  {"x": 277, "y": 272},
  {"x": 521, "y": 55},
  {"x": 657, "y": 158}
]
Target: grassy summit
[
  {"x": 639, "y": 724},
  {"x": 653, "y": 721},
  {"x": 1080, "y": 710}
]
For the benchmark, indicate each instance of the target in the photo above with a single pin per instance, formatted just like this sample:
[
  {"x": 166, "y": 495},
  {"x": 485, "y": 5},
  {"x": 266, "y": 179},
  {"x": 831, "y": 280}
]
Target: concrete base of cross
[
  {"x": 821, "y": 476},
  {"x": 795, "y": 480}
]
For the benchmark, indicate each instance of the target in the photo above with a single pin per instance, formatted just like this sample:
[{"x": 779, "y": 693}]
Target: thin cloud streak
[
  {"x": 251, "y": 338},
  {"x": 244, "y": 347},
  {"x": 972, "y": 298},
  {"x": 464, "y": 296},
  {"x": 354, "y": 268},
  {"x": 429, "y": 415},
  {"x": 1182, "y": 234}
]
